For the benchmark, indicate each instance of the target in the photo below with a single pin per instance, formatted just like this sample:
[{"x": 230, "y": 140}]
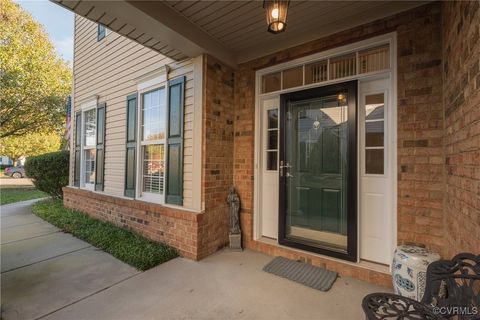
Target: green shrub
[
  {"x": 49, "y": 172},
  {"x": 123, "y": 244}
]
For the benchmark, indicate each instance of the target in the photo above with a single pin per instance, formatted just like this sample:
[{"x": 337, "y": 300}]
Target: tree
[
  {"x": 34, "y": 82},
  {"x": 28, "y": 145}
]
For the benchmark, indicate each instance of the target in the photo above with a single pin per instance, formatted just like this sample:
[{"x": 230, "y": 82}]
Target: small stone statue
[
  {"x": 234, "y": 202},
  {"x": 235, "y": 235}
]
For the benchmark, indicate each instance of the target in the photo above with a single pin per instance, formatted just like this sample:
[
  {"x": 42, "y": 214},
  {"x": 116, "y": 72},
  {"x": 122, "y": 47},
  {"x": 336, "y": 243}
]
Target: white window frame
[
  {"x": 363, "y": 127},
  {"x": 88, "y": 105},
  {"x": 267, "y": 131},
  {"x": 107, "y": 31},
  {"x": 151, "y": 82}
]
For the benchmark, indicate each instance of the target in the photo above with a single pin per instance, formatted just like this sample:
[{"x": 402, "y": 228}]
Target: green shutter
[
  {"x": 174, "y": 181},
  {"x": 78, "y": 145},
  {"x": 100, "y": 157},
  {"x": 131, "y": 144}
]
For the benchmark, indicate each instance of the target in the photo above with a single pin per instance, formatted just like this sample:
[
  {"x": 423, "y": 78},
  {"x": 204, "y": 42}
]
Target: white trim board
[
  {"x": 197, "y": 130},
  {"x": 153, "y": 78},
  {"x": 89, "y": 103}
]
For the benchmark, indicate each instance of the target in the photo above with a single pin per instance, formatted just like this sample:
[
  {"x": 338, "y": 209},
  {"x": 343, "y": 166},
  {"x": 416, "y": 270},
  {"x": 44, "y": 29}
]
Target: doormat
[{"x": 306, "y": 274}]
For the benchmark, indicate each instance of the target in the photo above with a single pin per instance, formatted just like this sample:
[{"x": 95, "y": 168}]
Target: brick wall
[
  {"x": 217, "y": 154},
  {"x": 420, "y": 128},
  {"x": 177, "y": 228},
  {"x": 420, "y": 121},
  {"x": 461, "y": 53}
]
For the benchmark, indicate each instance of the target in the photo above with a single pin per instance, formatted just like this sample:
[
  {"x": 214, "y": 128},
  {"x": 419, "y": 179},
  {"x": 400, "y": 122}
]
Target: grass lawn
[
  {"x": 123, "y": 244},
  {"x": 15, "y": 194}
]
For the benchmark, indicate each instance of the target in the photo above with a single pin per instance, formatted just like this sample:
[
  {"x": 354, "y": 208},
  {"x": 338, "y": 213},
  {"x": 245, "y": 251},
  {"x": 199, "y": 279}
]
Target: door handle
[
  {"x": 286, "y": 166},
  {"x": 288, "y": 175}
]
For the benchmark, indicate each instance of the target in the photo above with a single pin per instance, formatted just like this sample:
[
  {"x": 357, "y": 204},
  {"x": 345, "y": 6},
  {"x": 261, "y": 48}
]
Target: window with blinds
[
  {"x": 153, "y": 140},
  {"x": 344, "y": 66},
  {"x": 316, "y": 72},
  {"x": 374, "y": 59},
  {"x": 89, "y": 147},
  {"x": 337, "y": 67}
]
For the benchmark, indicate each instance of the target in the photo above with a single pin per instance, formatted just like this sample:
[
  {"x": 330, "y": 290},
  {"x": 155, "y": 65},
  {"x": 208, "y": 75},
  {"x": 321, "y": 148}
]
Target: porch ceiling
[
  {"x": 233, "y": 31},
  {"x": 241, "y": 27}
]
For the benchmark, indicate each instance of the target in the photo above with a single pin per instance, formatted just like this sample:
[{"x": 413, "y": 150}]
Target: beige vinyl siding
[{"x": 108, "y": 68}]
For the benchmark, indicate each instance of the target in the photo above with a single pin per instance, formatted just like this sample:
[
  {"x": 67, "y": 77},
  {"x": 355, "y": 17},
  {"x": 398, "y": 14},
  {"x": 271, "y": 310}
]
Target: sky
[{"x": 57, "y": 21}]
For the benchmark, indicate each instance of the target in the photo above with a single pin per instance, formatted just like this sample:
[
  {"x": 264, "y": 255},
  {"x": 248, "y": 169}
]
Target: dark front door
[{"x": 318, "y": 181}]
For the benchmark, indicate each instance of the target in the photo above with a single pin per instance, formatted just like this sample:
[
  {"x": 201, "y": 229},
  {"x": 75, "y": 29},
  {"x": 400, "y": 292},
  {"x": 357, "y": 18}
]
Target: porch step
[{"x": 306, "y": 274}]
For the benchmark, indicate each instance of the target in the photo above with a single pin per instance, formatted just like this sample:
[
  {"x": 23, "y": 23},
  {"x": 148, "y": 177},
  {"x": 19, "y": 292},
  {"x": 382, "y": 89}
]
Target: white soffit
[
  {"x": 153, "y": 24},
  {"x": 232, "y": 31},
  {"x": 240, "y": 25}
]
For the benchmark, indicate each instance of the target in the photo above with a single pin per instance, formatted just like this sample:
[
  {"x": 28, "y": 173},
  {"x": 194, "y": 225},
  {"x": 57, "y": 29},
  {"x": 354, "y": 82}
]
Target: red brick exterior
[
  {"x": 461, "y": 54},
  {"x": 178, "y": 228},
  {"x": 432, "y": 61},
  {"x": 438, "y": 81},
  {"x": 420, "y": 128},
  {"x": 217, "y": 154},
  {"x": 420, "y": 121}
]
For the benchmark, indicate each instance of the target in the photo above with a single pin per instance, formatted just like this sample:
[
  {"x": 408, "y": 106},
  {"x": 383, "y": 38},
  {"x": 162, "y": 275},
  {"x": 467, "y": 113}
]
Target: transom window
[
  {"x": 153, "y": 123},
  {"x": 332, "y": 68}
]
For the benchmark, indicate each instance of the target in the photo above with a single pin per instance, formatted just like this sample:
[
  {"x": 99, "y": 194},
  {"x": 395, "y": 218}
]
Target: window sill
[
  {"x": 88, "y": 187},
  {"x": 156, "y": 198}
]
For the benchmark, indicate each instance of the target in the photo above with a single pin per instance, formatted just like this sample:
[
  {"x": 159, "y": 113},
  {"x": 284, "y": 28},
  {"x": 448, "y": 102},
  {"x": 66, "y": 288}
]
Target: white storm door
[
  {"x": 269, "y": 167},
  {"x": 376, "y": 171}
]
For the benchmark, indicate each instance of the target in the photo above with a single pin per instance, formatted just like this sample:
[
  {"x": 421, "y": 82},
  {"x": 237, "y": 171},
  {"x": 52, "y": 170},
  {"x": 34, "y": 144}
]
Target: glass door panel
[{"x": 316, "y": 170}]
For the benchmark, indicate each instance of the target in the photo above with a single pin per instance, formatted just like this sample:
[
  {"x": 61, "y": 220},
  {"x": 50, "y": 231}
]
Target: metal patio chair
[{"x": 452, "y": 292}]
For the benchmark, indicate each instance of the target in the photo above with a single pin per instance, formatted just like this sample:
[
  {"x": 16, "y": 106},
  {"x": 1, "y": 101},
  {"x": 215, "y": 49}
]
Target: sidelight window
[
  {"x": 272, "y": 139},
  {"x": 374, "y": 133}
]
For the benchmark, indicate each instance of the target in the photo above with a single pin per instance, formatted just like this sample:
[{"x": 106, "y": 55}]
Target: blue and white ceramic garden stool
[{"x": 410, "y": 270}]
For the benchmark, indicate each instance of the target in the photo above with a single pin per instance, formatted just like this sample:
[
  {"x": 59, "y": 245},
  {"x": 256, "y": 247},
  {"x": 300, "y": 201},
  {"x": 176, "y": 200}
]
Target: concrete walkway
[
  {"x": 44, "y": 270},
  {"x": 72, "y": 280}
]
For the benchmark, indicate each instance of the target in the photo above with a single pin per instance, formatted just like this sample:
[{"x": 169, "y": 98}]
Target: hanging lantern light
[{"x": 276, "y": 12}]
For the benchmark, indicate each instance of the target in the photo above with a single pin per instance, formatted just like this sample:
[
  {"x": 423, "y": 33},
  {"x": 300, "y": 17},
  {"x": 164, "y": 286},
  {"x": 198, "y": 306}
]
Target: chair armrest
[{"x": 392, "y": 306}]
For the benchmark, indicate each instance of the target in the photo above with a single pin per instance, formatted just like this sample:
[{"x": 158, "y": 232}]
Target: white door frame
[
  {"x": 381, "y": 183},
  {"x": 391, "y": 73},
  {"x": 267, "y": 177}
]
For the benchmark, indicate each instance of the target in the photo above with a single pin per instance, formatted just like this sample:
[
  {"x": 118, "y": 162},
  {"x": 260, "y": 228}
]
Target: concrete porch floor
[{"x": 94, "y": 285}]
